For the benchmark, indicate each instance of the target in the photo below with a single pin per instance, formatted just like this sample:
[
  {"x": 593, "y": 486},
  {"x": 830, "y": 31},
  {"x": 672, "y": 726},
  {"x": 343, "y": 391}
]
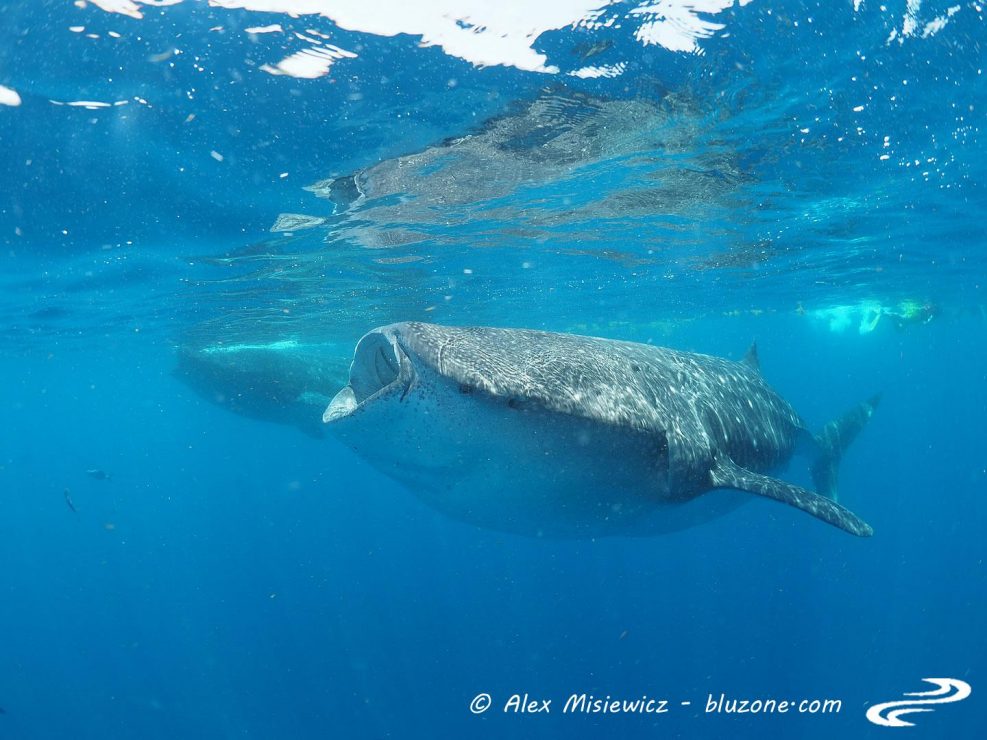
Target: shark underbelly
[{"x": 526, "y": 470}]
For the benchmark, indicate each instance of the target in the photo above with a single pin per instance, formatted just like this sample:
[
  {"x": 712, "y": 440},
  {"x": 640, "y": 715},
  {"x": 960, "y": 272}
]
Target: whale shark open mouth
[{"x": 380, "y": 366}]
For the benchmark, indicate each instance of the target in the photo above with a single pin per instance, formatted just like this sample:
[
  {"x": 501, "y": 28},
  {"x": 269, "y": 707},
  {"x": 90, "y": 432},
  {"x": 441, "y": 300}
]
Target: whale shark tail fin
[{"x": 833, "y": 441}]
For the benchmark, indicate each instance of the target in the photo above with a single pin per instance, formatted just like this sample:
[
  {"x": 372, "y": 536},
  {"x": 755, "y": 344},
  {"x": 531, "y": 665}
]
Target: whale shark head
[
  {"x": 423, "y": 360},
  {"x": 380, "y": 370},
  {"x": 404, "y": 409}
]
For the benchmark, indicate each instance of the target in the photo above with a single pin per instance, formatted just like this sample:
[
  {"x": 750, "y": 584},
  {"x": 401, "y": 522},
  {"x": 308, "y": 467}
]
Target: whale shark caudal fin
[
  {"x": 727, "y": 474},
  {"x": 833, "y": 440}
]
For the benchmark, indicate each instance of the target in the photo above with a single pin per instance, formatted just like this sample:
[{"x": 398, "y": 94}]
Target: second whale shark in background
[{"x": 563, "y": 435}]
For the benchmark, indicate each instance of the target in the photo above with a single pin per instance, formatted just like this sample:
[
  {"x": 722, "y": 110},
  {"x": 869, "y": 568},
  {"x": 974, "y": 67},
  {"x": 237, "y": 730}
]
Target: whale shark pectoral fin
[{"x": 727, "y": 474}]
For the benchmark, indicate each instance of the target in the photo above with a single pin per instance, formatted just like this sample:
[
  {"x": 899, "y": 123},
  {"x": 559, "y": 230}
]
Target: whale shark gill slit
[{"x": 386, "y": 367}]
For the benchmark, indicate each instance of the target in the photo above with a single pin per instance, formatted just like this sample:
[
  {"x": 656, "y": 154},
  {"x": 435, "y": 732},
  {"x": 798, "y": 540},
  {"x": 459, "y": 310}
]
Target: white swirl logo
[{"x": 950, "y": 690}]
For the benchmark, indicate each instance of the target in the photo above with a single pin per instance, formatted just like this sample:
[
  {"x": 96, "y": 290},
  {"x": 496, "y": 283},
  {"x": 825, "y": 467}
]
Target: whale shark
[
  {"x": 280, "y": 381},
  {"x": 562, "y": 435}
]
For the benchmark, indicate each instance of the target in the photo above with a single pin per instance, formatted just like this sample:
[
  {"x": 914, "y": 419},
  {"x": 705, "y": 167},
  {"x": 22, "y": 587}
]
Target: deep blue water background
[
  {"x": 260, "y": 583},
  {"x": 236, "y": 578}
]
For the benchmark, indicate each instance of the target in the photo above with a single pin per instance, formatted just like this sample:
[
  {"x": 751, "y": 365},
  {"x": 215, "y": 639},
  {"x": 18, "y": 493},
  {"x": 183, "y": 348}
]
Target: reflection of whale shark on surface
[
  {"x": 282, "y": 381},
  {"x": 558, "y": 434}
]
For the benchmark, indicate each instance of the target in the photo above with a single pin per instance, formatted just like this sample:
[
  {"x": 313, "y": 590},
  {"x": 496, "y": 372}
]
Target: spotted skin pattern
[{"x": 701, "y": 404}]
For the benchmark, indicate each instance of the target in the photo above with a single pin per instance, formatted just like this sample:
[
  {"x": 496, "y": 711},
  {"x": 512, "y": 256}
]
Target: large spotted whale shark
[{"x": 563, "y": 435}]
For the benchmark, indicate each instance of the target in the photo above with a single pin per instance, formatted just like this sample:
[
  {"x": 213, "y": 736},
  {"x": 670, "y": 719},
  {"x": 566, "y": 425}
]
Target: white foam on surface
[
  {"x": 131, "y": 8},
  {"x": 308, "y": 63},
  {"x": 273, "y": 28},
  {"x": 606, "y": 70},
  {"x": 913, "y": 25},
  {"x": 88, "y": 104},
  {"x": 9, "y": 96},
  {"x": 677, "y": 25},
  {"x": 481, "y": 32}
]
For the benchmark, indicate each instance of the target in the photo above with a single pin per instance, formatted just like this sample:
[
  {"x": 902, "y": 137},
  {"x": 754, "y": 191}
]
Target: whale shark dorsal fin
[
  {"x": 751, "y": 359},
  {"x": 725, "y": 473}
]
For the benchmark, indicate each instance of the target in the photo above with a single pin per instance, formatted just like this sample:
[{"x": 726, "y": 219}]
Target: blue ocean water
[{"x": 201, "y": 214}]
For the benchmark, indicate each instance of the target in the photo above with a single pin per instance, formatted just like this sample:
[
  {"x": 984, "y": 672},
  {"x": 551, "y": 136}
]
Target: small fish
[
  {"x": 97, "y": 474},
  {"x": 68, "y": 501}
]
